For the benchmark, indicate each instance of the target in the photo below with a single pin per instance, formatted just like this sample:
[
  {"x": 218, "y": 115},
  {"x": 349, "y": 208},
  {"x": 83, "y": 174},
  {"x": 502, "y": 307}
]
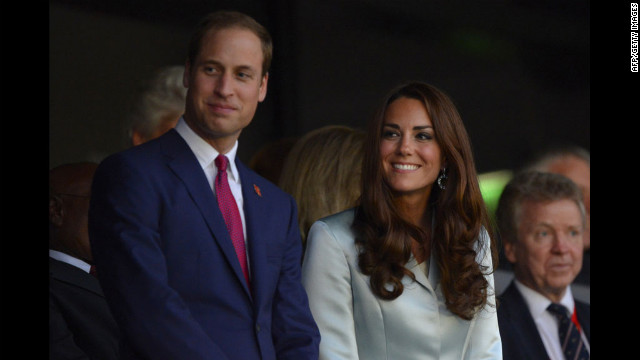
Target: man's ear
[
  {"x": 136, "y": 138},
  {"x": 263, "y": 87},
  {"x": 56, "y": 211},
  {"x": 185, "y": 75},
  {"x": 510, "y": 251}
]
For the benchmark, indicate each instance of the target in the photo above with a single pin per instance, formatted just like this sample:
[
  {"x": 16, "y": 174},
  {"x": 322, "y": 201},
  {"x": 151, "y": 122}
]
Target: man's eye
[{"x": 244, "y": 76}]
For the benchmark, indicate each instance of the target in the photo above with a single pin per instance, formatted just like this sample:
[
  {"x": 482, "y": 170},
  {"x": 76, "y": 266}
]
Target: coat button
[{"x": 257, "y": 328}]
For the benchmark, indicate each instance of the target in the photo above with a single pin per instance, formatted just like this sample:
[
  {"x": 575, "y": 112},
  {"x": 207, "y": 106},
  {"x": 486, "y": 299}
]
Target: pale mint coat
[{"x": 355, "y": 324}]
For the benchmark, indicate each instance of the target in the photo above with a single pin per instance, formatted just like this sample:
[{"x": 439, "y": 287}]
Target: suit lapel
[
  {"x": 584, "y": 318},
  {"x": 255, "y": 208},
  {"x": 421, "y": 277},
  {"x": 70, "y": 274},
  {"x": 184, "y": 164},
  {"x": 519, "y": 315},
  {"x": 430, "y": 282}
]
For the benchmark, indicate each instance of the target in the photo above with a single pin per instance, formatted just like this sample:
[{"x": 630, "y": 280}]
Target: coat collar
[
  {"x": 67, "y": 273},
  {"x": 430, "y": 282},
  {"x": 516, "y": 311}
]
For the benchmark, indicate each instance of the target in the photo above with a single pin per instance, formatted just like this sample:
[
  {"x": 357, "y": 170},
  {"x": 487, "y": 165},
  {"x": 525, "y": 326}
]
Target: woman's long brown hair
[{"x": 460, "y": 215}]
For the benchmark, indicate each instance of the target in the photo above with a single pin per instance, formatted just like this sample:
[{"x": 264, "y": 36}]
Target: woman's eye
[
  {"x": 389, "y": 134},
  {"x": 424, "y": 136}
]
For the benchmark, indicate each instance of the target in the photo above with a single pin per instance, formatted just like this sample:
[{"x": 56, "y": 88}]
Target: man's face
[
  {"x": 225, "y": 85},
  {"x": 69, "y": 211},
  {"x": 547, "y": 255}
]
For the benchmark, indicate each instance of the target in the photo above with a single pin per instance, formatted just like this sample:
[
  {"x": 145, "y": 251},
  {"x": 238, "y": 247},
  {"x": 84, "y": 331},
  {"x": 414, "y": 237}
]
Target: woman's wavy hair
[{"x": 460, "y": 215}]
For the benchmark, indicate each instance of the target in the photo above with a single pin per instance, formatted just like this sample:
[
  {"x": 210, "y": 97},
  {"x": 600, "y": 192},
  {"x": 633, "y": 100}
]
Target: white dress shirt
[
  {"x": 206, "y": 155},
  {"x": 60, "y": 256},
  {"x": 546, "y": 322}
]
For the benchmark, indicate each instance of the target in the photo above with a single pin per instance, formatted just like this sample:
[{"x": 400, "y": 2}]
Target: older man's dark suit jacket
[
  {"x": 520, "y": 337},
  {"x": 169, "y": 269},
  {"x": 80, "y": 323}
]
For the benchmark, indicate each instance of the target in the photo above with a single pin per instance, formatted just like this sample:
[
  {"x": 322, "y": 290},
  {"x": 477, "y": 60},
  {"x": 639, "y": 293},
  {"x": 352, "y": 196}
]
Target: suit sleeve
[
  {"x": 62, "y": 344},
  {"x": 326, "y": 277},
  {"x": 295, "y": 334},
  {"x": 124, "y": 221},
  {"x": 485, "y": 341}
]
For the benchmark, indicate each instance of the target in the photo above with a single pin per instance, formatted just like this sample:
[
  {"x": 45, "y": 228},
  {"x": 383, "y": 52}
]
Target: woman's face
[{"x": 410, "y": 153}]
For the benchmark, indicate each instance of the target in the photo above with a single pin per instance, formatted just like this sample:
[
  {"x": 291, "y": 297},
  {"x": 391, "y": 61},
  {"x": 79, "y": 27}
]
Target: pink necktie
[{"x": 229, "y": 209}]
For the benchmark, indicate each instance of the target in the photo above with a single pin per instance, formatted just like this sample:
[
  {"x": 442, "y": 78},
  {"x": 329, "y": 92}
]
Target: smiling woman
[
  {"x": 410, "y": 154},
  {"x": 419, "y": 238}
]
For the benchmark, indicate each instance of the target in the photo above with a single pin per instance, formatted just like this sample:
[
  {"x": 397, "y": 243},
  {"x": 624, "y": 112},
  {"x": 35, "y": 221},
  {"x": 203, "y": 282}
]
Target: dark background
[{"x": 519, "y": 71}]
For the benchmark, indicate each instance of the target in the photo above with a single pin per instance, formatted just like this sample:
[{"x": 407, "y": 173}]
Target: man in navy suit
[
  {"x": 542, "y": 219},
  {"x": 80, "y": 323},
  {"x": 165, "y": 258}
]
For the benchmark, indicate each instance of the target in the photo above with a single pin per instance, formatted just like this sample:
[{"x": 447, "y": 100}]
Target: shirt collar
[
  {"x": 538, "y": 303},
  {"x": 66, "y": 258},
  {"x": 204, "y": 152}
]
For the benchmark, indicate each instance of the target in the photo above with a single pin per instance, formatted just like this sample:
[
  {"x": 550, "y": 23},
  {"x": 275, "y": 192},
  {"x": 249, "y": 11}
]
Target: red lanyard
[{"x": 574, "y": 318}]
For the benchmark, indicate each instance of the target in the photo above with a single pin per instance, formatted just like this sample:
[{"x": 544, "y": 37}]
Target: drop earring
[{"x": 442, "y": 179}]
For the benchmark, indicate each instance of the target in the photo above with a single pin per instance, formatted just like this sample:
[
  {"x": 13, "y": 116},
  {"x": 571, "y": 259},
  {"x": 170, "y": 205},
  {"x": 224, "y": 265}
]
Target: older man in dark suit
[
  {"x": 80, "y": 323},
  {"x": 541, "y": 217}
]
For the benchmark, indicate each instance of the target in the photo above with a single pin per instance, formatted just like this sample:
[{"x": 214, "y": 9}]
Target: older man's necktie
[
  {"x": 570, "y": 338},
  {"x": 229, "y": 209}
]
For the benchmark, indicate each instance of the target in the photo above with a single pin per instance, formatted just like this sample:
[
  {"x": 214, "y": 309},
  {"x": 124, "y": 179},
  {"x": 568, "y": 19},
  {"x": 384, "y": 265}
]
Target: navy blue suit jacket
[
  {"x": 518, "y": 331},
  {"x": 169, "y": 270}
]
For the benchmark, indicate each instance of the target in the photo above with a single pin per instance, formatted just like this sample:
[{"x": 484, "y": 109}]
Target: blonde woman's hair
[{"x": 322, "y": 172}]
